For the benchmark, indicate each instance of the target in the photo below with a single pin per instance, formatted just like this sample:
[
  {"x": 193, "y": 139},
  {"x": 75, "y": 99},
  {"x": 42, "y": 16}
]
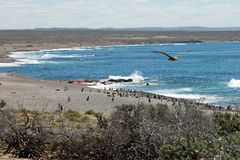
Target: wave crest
[
  {"x": 135, "y": 76},
  {"x": 233, "y": 83},
  {"x": 51, "y": 56},
  {"x": 38, "y": 57}
]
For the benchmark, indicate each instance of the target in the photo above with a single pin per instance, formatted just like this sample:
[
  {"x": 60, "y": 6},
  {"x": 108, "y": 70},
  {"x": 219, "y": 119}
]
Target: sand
[
  {"x": 22, "y": 92},
  {"x": 44, "y": 95}
]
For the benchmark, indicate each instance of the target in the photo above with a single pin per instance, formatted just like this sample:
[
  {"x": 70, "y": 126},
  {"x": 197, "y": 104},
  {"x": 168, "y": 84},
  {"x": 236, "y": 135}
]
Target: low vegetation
[
  {"x": 91, "y": 112},
  {"x": 2, "y": 104},
  {"x": 131, "y": 132}
]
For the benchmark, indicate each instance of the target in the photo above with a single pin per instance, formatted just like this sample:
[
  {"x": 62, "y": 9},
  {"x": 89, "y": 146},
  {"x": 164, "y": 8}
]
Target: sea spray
[
  {"x": 233, "y": 83},
  {"x": 136, "y": 77},
  {"x": 39, "y": 57}
]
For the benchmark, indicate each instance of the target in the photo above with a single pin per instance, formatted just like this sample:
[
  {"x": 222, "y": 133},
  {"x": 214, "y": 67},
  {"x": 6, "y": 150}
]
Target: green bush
[
  {"x": 73, "y": 116},
  {"x": 231, "y": 146},
  {"x": 228, "y": 122},
  {"x": 131, "y": 132}
]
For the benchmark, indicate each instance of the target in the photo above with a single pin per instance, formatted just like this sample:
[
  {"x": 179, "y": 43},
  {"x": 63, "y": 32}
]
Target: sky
[{"x": 28, "y": 14}]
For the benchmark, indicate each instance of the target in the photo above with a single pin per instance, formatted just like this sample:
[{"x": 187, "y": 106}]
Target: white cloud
[{"x": 116, "y": 13}]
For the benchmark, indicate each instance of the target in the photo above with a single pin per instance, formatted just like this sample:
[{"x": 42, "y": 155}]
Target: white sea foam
[
  {"x": 153, "y": 83},
  {"x": 185, "y": 89},
  {"x": 103, "y": 86},
  {"x": 196, "y": 97},
  {"x": 73, "y": 49},
  {"x": 175, "y": 91},
  {"x": 135, "y": 76},
  {"x": 8, "y": 64},
  {"x": 186, "y": 96},
  {"x": 180, "y": 44},
  {"x": 20, "y": 62},
  {"x": 233, "y": 83},
  {"x": 38, "y": 57},
  {"x": 50, "y": 56}
]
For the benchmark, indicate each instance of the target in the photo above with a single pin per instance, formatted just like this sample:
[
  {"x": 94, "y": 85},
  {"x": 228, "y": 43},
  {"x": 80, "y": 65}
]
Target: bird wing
[{"x": 169, "y": 56}]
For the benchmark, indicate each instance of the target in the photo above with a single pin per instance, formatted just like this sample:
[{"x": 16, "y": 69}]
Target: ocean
[{"x": 205, "y": 72}]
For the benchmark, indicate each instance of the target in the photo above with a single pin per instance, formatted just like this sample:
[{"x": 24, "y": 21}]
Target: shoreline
[
  {"x": 94, "y": 46},
  {"x": 46, "y": 95},
  {"x": 22, "y": 41},
  {"x": 20, "y": 92},
  {"x": 6, "y": 59},
  {"x": 30, "y": 40}
]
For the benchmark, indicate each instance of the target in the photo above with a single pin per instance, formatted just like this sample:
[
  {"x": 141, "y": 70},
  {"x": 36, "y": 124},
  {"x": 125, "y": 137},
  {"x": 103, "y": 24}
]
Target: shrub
[
  {"x": 91, "y": 112},
  {"x": 130, "y": 132},
  {"x": 227, "y": 122},
  {"x": 2, "y": 104},
  {"x": 73, "y": 116},
  {"x": 231, "y": 146},
  {"x": 23, "y": 141}
]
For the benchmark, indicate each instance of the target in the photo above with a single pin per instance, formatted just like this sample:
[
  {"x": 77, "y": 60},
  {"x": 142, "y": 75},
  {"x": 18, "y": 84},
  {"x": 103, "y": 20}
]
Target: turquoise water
[{"x": 206, "y": 72}]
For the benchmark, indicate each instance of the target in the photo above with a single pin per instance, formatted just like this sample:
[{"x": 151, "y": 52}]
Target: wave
[
  {"x": 173, "y": 91},
  {"x": 135, "y": 76},
  {"x": 103, "y": 86},
  {"x": 180, "y": 44},
  {"x": 51, "y": 56},
  {"x": 187, "y": 96},
  {"x": 233, "y": 83},
  {"x": 184, "y": 89},
  {"x": 44, "y": 55},
  {"x": 197, "y": 97},
  {"x": 20, "y": 62},
  {"x": 37, "y": 57},
  {"x": 73, "y": 49},
  {"x": 9, "y": 65}
]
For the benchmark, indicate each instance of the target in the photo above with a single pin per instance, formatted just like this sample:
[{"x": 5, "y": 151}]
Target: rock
[{"x": 120, "y": 80}]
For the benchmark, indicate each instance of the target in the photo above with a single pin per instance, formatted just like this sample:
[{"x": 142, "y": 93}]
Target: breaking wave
[
  {"x": 51, "y": 56},
  {"x": 180, "y": 44},
  {"x": 39, "y": 57},
  {"x": 233, "y": 83},
  {"x": 184, "y": 89},
  {"x": 176, "y": 93},
  {"x": 135, "y": 76},
  {"x": 137, "y": 79}
]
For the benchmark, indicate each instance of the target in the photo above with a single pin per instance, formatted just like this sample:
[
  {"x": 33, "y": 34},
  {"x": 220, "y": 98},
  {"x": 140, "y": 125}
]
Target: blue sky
[{"x": 118, "y": 13}]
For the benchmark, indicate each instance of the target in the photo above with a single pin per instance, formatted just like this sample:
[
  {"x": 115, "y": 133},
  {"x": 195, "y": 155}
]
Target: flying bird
[{"x": 170, "y": 58}]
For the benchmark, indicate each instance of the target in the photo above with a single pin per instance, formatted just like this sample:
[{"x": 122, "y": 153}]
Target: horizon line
[{"x": 181, "y": 28}]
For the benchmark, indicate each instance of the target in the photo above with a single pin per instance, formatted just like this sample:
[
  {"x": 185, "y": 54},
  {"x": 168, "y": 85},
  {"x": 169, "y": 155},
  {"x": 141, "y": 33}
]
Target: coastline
[
  {"x": 21, "y": 92},
  {"x": 30, "y": 40},
  {"x": 6, "y": 59},
  {"x": 46, "y": 95},
  {"x": 169, "y": 99},
  {"x": 53, "y": 40}
]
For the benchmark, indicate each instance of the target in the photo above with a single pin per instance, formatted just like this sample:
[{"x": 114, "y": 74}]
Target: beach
[
  {"x": 43, "y": 95},
  {"x": 35, "y": 94},
  {"x": 93, "y": 103},
  {"x": 53, "y": 95}
]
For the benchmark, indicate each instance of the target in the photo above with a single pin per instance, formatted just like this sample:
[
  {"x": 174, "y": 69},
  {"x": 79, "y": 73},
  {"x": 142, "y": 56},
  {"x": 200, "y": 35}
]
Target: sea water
[{"x": 205, "y": 72}]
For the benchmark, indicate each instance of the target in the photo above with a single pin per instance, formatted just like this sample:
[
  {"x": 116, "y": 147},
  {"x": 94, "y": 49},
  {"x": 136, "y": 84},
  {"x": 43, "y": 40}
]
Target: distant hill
[
  {"x": 190, "y": 29},
  {"x": 146, "y": 29}
]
